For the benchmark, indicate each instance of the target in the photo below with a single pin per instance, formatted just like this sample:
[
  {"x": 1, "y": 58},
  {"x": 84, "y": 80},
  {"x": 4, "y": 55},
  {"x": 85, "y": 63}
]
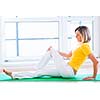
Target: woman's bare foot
[{"x": 7, "y": 73}]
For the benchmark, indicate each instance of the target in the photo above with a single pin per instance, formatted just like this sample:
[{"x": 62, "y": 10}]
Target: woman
[{"x": 77, "y": 58}]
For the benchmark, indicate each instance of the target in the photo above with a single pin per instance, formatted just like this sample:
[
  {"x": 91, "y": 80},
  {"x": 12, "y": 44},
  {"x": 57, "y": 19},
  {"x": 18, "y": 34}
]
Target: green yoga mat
[{"x": 4, "y": 77}]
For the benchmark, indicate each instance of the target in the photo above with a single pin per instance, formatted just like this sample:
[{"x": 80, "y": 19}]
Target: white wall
[
  {"x": 97, "y": 36},
  {"x": 1, "y": 39}
]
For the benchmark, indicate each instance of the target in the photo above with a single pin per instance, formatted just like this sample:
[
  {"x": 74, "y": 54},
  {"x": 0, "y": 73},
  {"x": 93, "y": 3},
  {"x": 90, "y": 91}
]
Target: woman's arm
[
  {"x": 62, "y": 53},
  {"x": 65, "y": 54},
  {"x": 95, "y": 67}
]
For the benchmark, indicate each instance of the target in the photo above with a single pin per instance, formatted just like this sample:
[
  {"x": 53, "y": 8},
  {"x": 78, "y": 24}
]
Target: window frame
[{"x": 22, "y": 20}]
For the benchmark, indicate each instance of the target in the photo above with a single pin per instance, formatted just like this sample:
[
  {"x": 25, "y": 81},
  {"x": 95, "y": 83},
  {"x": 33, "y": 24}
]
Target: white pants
[{"x": 61, "y": 67}]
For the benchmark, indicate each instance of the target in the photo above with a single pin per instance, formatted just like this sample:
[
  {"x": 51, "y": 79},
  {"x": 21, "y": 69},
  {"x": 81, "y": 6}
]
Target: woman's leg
[
  {"x": 44, "y": 60},
  {"x": 51, "y": 71},
  {"x": 63, "y": 68},
  {"x": 24, "y": 74},
  {"x": 41, "y": 70},
  {"x": 31, "y": 74}
]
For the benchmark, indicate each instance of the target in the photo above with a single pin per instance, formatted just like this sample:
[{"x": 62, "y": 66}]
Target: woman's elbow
[{"x": 96, "y": 62}]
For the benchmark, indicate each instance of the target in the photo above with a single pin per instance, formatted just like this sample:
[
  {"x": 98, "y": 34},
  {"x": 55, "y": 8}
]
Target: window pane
[
  {"x": 34, "y": 37},
  {"x": 72, "y": 25},
  {"x": 38, "y": 30},
  {"x": 10, "y": 48},
  {"x": 35, "y": 47},
  {"x": 10, "y": 30},
  {"x": 71, "y": 39}
]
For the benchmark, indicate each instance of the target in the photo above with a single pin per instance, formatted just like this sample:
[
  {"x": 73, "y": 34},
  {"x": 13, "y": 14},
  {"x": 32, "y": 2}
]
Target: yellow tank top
[{"x": 79, "y": 55}]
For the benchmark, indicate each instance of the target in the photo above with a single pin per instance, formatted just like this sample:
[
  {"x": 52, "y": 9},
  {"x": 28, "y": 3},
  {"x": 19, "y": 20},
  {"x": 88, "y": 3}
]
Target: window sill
[{"x": 34, "y": 63}]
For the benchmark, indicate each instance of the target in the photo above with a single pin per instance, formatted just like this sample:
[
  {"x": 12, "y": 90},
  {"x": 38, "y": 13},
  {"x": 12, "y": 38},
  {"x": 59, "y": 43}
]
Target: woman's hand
[
  {"x": 89, "y": 78},
  {"x": 95, "y": 67},
  {"x": 49, "y": 48}
]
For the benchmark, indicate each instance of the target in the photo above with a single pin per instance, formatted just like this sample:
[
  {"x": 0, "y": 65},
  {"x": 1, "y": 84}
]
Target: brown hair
[{"x": 84, "y": 32}]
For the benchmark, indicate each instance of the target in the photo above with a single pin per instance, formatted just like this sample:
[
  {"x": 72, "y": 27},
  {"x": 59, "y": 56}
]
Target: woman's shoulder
[{"x": 85, "y": 46}]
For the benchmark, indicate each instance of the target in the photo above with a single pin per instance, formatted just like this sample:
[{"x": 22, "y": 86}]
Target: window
[
  {"x": 36, "y": 37},
  {"x": 72, "y": 23},
  {"x": 30, "y": 37}
]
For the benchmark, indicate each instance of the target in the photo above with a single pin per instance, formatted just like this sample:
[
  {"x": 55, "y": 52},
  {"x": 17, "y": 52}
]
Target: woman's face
[{"x": 79, "y": 36}]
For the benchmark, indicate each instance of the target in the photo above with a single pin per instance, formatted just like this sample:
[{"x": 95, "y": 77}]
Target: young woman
[{"x": 77, "y": 58}]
